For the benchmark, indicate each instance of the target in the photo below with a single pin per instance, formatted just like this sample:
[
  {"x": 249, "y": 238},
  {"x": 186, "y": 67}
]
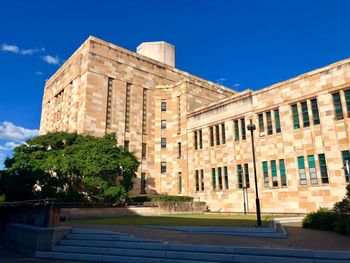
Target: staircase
[{"x": 108, "y": 246}]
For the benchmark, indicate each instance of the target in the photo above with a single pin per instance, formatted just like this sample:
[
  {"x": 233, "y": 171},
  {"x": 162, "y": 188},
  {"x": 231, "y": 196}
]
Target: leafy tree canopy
[{"x": 69, "y": 167}]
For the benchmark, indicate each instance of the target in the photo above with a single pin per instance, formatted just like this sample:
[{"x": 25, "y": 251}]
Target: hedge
[{"x": 160, "y": 198}]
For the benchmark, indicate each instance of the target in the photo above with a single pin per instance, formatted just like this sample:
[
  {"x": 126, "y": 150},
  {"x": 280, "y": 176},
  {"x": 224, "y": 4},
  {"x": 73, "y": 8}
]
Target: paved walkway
[{"x": 298, "y": 237}]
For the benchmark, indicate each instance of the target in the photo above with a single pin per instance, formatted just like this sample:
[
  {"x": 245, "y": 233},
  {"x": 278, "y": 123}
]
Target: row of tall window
[
  {"x": 304, "y": 107},
  {"x": 303, "y": 180},
  {"x": 217, "y": 135},
  {"x": 274, "y": 173},
  {"x": 338, "y": 105},
  {"x": 269, "y": 125}
]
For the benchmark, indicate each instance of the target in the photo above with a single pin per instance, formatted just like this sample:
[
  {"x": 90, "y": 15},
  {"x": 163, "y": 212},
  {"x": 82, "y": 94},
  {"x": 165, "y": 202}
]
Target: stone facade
[{"x": 186, "y": 131}]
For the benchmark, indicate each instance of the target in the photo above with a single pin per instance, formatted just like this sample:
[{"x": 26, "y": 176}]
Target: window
[
  {"x": 127, "y": 106},
  {"x": 261, "y": 124},
  {"x": 202, "y": 180},
  {"x": 163, "y": 105},
  {"x": 283, "y": 172},
  {"x": 144, "y": 150},
  {"x": 197, "y": 180},
  {"x": 274, "y": 174},
  {"x": 195, "y": 140},
  {"x": 126, "y": 145},
  {"x": 346, "y": 157},
  {"x": 163, "y": 167},
  {"x": 269, "y": 123},
  {"x": 239, "y": 176},
  {"x": 144, "y": 112},
  {"x": 163, "y": 142},
  {"x": 179, "y": 150},
  {"x": 277, "y": 120},
  {"x": 220, "y": 178},
  {"x": 211, "y": 136},
  {"x": 200, "y": 139},
  {"x": 305, "y": 114},
  {"x": 295, "y": 116},
  {"x": 217, "y": 134},
  {"x": 266, "y": 174},
  {"x": 246, "y": 175},
  {"x": 312, "y": 169},
  {"x": 226, "y": 177},
  {"x": 213, "y": 178},
  {"x": 302, "y": 172},
  {"x": 337, "y": 106},
  {"x": 314, "y": 110},
  {"x": 236, "y": 131},
  {"x": 163, "y": 124},
  {"x": 143, "y": 183},
  {"x": 323, "y": 168},
  {"x": 109, "y": 102},
  {"x": 180, "y": 182},
  {"x": 347, "y": 101},
  {"x": 243, "y": 129},
  {"x": 223, "y": 134}
]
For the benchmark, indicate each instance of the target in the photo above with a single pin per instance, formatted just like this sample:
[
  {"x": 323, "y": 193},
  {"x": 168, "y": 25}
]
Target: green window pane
[
  {"x": 261, "y": 123},
  {"x": 223, "y": 133},
  {"x": 180, "y": 182},
  {"x": 269, "y": 123},
  {"x": 305, "y": 113},
  {"x": 213, "y": 178},
  {"x": 347, "y": 101},
  {"x": 337, "y": 106},
  {"x": 323, "y": 168},
  {"x": 239, "y": 176},
  {"x": 277, "y": 120},
  {"x": 274, "y": 174},
  {"x": 312, "y": 169},
  {"x": 246, "y": 175},
  {"x": 346, "y": 157},
  {"x": 220, "y": 178},
  {"x": 243, "y": 129},
  {"x": 202, "y": 180},
  {"x": 226, "y": 177},
  {"x": 283, "y": 172},
  {"x": 302, "y": 172},
  {"x": 315, "y": 113},
  {"x": 211, "y": 136},
  {"x": 266, "y": 174},
  {"x": 236, "y": 131},
  {"x": 295, "y": 116}
]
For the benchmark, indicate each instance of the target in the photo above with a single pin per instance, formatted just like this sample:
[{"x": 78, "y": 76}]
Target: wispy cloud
[
  {"x": 39, "y": 73},
  {"x": 53, "y": 60},
  {"x": 236, "y": 85},
  {"x": 16, "y": 50},
  {"x": 220, "y": 81},
  {"x": 13, "y": 133}
]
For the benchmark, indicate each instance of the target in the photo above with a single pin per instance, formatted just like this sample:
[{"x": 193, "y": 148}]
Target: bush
[
  {"x": 322, "y": 219},
  {"x": 160, "y": 198}
]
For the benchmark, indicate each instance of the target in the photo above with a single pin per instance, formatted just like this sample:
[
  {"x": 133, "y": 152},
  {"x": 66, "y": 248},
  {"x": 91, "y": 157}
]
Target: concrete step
[
  {"x": 110, "y": 237},
  {"x": 109, "y": 258},
  {"x": 149, "y": 253},
  {"x": 97, "y": 231}
]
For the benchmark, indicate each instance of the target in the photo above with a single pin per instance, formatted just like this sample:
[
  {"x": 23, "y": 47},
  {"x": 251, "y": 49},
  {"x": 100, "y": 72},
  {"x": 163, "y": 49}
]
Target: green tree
[{"x": 69, "y": 167}]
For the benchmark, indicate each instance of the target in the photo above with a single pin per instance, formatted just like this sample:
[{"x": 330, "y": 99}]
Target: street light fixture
[{"x": 251, "y": 127}]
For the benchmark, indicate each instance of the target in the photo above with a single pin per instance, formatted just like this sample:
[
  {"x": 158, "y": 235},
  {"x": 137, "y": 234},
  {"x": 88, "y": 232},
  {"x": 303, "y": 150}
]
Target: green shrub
[
  {"x": 322, "y": 219},
  {"x": 160, "y": 198},
  {"x": 2, "y": 198},
  {"x": 342, "y": 225}
]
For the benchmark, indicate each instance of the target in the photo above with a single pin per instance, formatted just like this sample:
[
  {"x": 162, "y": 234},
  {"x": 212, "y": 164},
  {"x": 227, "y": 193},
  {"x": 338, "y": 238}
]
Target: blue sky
[{"x": 240, "y": 44}]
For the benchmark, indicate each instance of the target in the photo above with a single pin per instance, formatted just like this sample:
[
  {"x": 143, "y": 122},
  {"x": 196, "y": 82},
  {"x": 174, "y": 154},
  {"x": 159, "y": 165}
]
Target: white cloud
[
  {"x": 16, "y": 50},
  {"x": 39, "y": 73},
  {"x": 236, "y": 85},
  {"x": 11, "y": 145},
  {"x": 9, "y": 131},
  {"x": 51, "y": 60}
]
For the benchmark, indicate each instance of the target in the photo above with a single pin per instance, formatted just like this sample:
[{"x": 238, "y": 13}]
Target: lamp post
[{"x": 251, "y": 127}]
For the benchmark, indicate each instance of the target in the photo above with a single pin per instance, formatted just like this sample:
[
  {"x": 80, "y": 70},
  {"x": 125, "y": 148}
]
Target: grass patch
[{"x": 176, "y": 220}]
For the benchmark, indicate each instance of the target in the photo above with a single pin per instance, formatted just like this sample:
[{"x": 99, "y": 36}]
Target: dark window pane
[
  {"x": 239, "y": 176},
  {"x": 223, "y": 133},
  {"x": 266, "y": 174},
  {"x": 323, "y": 168},
  {"x": 305, "y": 113},
  {"x": 295, "y": 116},
  {"x": 226, "y": 177},
  {"x": 283, "y": 173},
  {"x": 213, "y": 178},
  {"x": 217, "y": 134},
  {"x": 277, "y": 120},
  {"x": 269, "y": 123},
  {"x": 220, "y": 178},
  {"x": 243, "y": 129},
  {"x": 337, "y": 106},
  {"x": 315, "y": 114},
  {"x": 347, "y": 101},
  {"x": 346, "y": 157},
  {"x": 261, "y": 123},
  {"x": 211, "y": 136},
  {"x": 236, "y": 131},
  {"x": 246, "y": 175}
]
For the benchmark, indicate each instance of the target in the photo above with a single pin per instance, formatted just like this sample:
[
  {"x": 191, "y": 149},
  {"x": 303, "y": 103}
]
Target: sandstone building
[{"x": 190, "y": 134}]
